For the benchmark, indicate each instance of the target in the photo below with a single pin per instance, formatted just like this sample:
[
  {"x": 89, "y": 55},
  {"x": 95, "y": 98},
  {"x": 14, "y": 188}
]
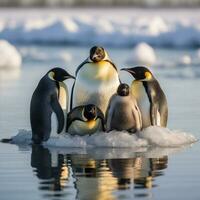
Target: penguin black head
[
  {"x": 59, "y": 74},
  {"x": 123, "y": 89},
  {"x": 140, "y": 73},
  {"x": 97, "y": 53},
  {"x": 90, "y": 112}
]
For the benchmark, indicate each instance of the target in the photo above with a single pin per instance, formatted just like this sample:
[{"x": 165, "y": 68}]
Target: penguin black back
[{"x": 44, "y": 101}]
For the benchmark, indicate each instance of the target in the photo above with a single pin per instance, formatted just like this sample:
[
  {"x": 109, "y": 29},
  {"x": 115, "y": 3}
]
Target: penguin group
[{"x": 99, "y": 101}]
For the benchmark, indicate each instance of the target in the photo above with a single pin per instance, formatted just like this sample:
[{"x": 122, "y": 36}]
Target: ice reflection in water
[{"x": 62, "y": 175}]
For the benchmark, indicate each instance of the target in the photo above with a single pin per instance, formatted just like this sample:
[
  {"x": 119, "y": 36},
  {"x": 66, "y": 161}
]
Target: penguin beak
[
  {"x": 69, "y": 76},
  {"x": 128, "y": 70},
  {"x": 95, "y": 57}
]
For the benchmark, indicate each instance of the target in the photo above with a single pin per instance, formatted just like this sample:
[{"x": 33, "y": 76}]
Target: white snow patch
[
  {"x": 164, "y": 137},
  {"x": 9, "y": 56},
  {"x": 143, "y": 54}
]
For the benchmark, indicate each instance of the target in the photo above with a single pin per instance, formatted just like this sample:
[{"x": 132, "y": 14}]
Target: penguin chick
[
  {"x": 150, "y": 97},
  {"x": 123, "y": 112},
  {"x": 45, "y": 100},
  {"x": 86, "y": 119}
]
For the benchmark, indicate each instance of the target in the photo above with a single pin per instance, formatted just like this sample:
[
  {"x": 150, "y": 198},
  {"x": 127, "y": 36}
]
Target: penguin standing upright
[
  {"x": 150, "y": 97},
  {"x": 84, "y": 120},
  {"x": 97, "y": 80},
  {"x": 123, "y": 112},
  {"x": 46, "y": 99}
]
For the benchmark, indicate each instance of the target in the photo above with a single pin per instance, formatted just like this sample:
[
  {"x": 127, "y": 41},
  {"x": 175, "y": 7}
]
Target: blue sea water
[{"x": 35, "y": 172}]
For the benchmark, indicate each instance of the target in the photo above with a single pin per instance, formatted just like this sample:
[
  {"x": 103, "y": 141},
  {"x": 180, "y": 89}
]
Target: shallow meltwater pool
[{"x": 117, "y": 166}]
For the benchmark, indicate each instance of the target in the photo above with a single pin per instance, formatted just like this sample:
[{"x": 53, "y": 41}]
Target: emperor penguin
[
  {"x": 123, "y": 112},
  {"x": 49, "y": 96},
  {"x": 86, "y": 119},
  {"x": 150, "y": 97},
  {"x": 97, "y": 80}
]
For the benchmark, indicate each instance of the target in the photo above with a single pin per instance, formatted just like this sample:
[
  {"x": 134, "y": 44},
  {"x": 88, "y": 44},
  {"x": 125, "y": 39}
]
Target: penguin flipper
[
  {"x": 71, "y": 97},
  {"x": 109, "y": 113},
  {"x": 137, "y": 116},
  {"x": 101, "y": 116},
  {"x": 58, "y": 111},
  {"x": 74, "y": 114},
  {"x": 81, "y": 65}
]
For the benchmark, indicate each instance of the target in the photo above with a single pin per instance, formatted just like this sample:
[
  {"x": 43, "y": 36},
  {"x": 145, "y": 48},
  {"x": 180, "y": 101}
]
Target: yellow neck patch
[
  {"x": 148, "y": 75},
  {"x": 91, "y": 124},
  {"x": 100, "y": 71}
]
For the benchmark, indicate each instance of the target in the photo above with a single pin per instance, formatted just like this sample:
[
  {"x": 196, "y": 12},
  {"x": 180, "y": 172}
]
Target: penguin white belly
[
  {"x": 63, "y": 100},
  {"x": 83, "y": 128},
  {"x": 63, "y": 96},
  {"x": 95, "y": 84},
  {"x": 138, "y": 91}
]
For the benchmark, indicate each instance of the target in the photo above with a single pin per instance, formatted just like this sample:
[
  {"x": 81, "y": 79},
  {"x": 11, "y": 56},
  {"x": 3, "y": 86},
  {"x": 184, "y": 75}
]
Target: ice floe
[
  {"x": 143, "y": 54},
  {"x": 151, "y": 136}
]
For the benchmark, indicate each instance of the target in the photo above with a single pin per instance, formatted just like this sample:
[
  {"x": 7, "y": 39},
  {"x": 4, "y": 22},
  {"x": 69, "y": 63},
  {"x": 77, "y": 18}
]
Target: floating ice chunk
[
  {"x": 23, "y": 137},
  {"x": 163, "y": 137},
  {"x": 14, "y": 74},
  {"x": 186, "y": 60},
  {"x": 10, "y": 57},
  {"x": 143, "y": 54}
]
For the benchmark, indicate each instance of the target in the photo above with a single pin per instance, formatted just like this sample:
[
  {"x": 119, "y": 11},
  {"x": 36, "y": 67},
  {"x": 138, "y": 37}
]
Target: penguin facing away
[
  {"x": 123, "y": 112},
  {"x": 150, "y": 97},
  {"x": 84, "y": 120},
  {"x": 97, "y": 80},
  {"x": 45, "y": 100}
]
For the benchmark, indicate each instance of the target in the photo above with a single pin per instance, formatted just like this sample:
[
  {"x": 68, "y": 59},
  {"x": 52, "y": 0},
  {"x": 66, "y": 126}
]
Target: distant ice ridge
[
  {"x": 156, "y": 136},
  {"x": 101, "y": 29}
]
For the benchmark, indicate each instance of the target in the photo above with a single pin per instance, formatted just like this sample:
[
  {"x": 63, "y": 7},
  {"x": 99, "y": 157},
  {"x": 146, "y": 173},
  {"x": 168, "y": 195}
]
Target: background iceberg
[{"x": 127, "y": 28}]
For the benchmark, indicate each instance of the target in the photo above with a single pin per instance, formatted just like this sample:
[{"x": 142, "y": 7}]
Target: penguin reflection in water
[
  {"x": 97, "y": 80},
  {"x": 47, "y": 98},
  {"x": 123, "y": 112},
  {"x": 84, "y": 120},
  {"x": 150, "y": 97}
]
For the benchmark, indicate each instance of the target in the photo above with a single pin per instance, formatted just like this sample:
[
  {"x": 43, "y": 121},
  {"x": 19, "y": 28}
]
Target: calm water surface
[{"x": 35, "y": 172}]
